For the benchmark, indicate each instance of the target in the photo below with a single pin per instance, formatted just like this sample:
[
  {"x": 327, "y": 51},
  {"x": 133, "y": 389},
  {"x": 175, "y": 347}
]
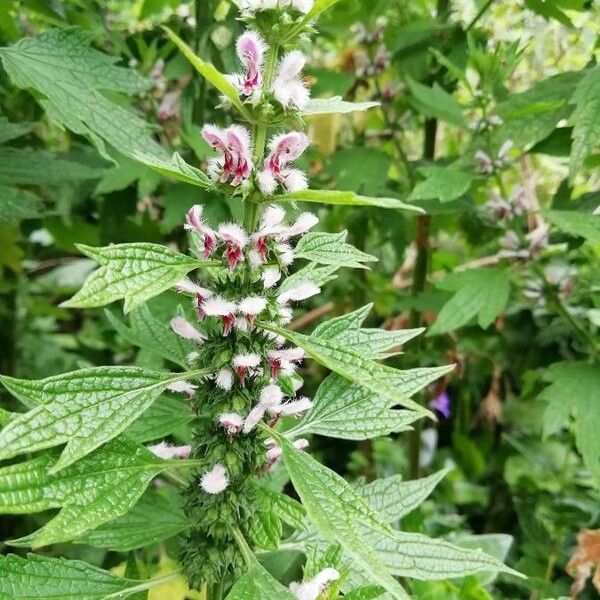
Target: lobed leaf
[
  {"x": 101, "y": 487},
  {"x": 167, "y": 415},
  {"x": 346, "y": 199},
  {"x": 320, "y": 276},
  {"x": 17, "y": 204},
  {"x": 82, "y": 409},
  {"x": 331, "y": 249},
  {"x": 335, "y": 105},
  {"x": 133, "y": 272},
  {"x": 442, "y": 183},
  {"x": 577, "y": 224}
]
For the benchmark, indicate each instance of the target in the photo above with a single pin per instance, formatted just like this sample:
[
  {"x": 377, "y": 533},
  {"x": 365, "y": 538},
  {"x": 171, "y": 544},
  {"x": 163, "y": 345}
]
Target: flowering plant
[{"x": 239, "y": 379}]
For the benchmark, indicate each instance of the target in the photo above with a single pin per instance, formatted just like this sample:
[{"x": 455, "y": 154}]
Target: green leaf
[
  {"x": 481, "y": 292},
  {"x": 345, "y": 199},
  {"x": 265, "y": 530},
  {"x": 344, "y": 410},
  {"x": 309, "y": 274},
  {"x": 95, "y": 490},
  {"x": 167, "y": 415},
  {"x": 208, "y": 71},
  {"x": 10, "y": 131},
  {"x": 340, "y": 515},
  {"x": 436, "y": 102},
  {"x": 155, "y": 518},
  {"x": 72, "y": 79},
  {"x": 386, "y": 382},
  {"x": 83, "y": 409},
  {"x": 335, "y": 105},
  {"x": 287, "y": 509},
  {"x": 372, "y": 343},
  {"x": 549, "y": 10},
  {"x": 40, "y": 577},
  {"x": 577, "y": 224},
  {"x": 135, "y": 272},
  {"x": 258, "y": 584},
  {"x": 586, "y": 130},
  {"x": 331, "y": 249},
  {"x": 442, "y": 183},
  {"x": 145, "y": 331},
  {"x": 573, "y": 397},
  {"x": 394, "y": 498},
  {"x": 17, "y": 204},
  {"x": 365, "y": 593},
  {"x": 320, "y": 6},
  {"x": 45, "y": 578}
]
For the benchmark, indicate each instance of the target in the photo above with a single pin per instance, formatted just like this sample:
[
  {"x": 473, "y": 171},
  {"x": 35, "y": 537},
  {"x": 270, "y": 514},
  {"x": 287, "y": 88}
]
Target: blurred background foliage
[{"x": 489, "y": 119}]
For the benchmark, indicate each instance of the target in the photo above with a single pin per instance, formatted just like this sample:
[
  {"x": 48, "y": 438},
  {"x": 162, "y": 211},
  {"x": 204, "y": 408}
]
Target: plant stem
[
  {"x": 247, "y": 553},
  {"x": 480, "y": 14},
  {"x": 422, "y": 263}
]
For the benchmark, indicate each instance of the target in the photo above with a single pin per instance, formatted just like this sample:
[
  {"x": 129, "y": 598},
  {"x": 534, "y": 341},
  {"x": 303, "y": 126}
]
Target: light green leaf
[
  {"x": 345, "y": 199},
  {"x": 284, "y": 507},
  {"x": 372, "y": 343},
  {"x": 208, "y": 71},
  {"x": 394, "y": 498},
  {"x": 167, "y": 415},
  {"x": 10, "y": 131},
  {"x": 17, "y": 204},
  {"x": 341, "y": 515},
  {"x": 335, "y": 105},
  {"x": 574, "y": 396},
  {"x": 436, "y": 102},
  {"x": 577, "y": 224},
  {"x": 388, "y": 383},
  {"x": 441, "y": 183},
  {"x": 331, "y": 249},
  {"x": 72, "y": 79},
  {"x": 155, "y": 518},
  {"x": 265, "y": 530},
  {"x": 309, "y": 274},
  {"x": 319, "y": 7},
  {"x": 40, "y": 577},
  {"x": 83, "y": 409},
  {"x": 95, "y": 490},
  {"x": 586, "y": 130},
  {"x": 145, "y": 331},
  {"x": 365, "y": 593},
  {"x": 135, "y": 272},
  {"x": 258, "y": 584},
  {"x": 481, "y": 292},
  {"x": 344, "y": 410}
]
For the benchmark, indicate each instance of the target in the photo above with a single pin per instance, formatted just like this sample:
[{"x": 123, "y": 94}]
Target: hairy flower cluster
[{"x": 253, "y": 6}]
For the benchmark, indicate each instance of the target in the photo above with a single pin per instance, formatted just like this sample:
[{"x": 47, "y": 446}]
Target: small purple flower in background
[{"x": 442, "y": 404}]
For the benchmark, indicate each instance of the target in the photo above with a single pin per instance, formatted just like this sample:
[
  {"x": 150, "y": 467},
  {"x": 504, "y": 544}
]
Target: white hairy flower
[
  {"x": 224, "y": 379},
  {"x": 215, "y": 481},
  {"x": 231, "y": 422},
  {"x": 186, "y": 330},
  {"x": 270, "y": 276},
  {"x": 168, "y": 452},
  {"x": 183, "y": 387},
  {"x": 311, "y": 590},
  {"x": 302, "y": 291}
]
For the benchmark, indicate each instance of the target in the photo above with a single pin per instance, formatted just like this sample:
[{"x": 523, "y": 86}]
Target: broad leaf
[
  {"x": 45, "y": 578},
  {"x": 577, "y": 224},
  {"x": 586, "y": 130},
  {"x": 441, "y": 183},
  {"x": 331, "y": 249},
  {"x": 151, "y": 334},
  {"x": 340, "y": 515},
  {"x": 168, "y": 414},
  {"x": 386, "y": 382},
  {"x": 83, "y": 409},
  {"x": 574, "y": 396},
  {"x": 394, "y": 498},
  {"x": 365, "y": 593},
  {"x": 346, "y": 199},
  {"x": 345, "y": 410},
  {"x": 335, "y": 105},
  {"x": 72, "y": 80},
  {"x": 258, "y": 584},
  {"x": 319, "y": 7},
  {"x": 208, "y": 71},
  {"x": 287, "y": 509},
  {"x": 155, "y": 518},
  {"x": 372, "y": 343},
  {"x": 95, "y": 490},
  {"x": 133, "y": 272},
  {"x": 436, "y": 102},
  {"x": 265, "y": 530},
  {"x": 309, "y": 274},
  {"x": 481, "y": 292},
  {"x": 17, "y": 204}
]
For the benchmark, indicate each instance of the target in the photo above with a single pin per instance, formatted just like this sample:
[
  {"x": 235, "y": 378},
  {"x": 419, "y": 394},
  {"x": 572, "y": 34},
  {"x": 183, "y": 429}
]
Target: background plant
[{"x": 547, "y": 317}]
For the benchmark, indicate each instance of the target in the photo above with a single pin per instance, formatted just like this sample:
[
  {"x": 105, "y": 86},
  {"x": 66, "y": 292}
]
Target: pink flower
[
  {"x": 235, "y": 147},
  {"x": 236, "y": 240},
  {"x": 270, "y": 397},
  {"x": 292, "y": 409},
  {"x": 186, "y": 330},
  {"x": 288, "y": 88},
  {"x": 275, "y": 451},
  {"x": 195, "y": 223},
  {"x": 270, "y": 276},
  {"x": 242, "y": 363},
  {"x": 284, "y": 359},
  {"x": 250, "y": 49},
  {"x": 231, "y": 422},
  {"x": 251, "y": 307},
  {"x": 302, "y": 291},
  {"x": 284, "y": 149},
  {"x": 183, "y": 387},
  {"x": 167, "y": 452},
  {"x": 218, "y": 307}
]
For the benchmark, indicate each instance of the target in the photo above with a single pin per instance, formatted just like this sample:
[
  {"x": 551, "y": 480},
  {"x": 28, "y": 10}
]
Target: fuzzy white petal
[
  {"x": 186, "y": 330},
  {"x": 216, "y": 480}
]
